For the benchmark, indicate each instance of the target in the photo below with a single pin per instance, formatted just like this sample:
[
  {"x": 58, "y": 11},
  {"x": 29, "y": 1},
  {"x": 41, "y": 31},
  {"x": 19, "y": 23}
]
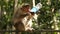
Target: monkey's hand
[{"x": 32, "y": 13}]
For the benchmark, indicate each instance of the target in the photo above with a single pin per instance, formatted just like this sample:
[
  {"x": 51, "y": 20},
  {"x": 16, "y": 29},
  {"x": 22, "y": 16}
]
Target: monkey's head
[{"x": 25, "y": 7}]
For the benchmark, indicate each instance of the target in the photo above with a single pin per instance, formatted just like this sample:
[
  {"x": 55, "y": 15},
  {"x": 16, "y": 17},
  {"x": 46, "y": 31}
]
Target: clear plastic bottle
[{"x": 36, "y": 8}]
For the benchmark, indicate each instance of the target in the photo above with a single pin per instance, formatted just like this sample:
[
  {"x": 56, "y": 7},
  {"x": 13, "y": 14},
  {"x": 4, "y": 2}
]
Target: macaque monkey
[{"x": 23, "y": 19}]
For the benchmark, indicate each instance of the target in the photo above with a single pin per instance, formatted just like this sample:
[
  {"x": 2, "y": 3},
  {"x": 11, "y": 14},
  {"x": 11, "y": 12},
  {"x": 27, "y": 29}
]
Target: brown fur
[{"x": 19, "y": 24}]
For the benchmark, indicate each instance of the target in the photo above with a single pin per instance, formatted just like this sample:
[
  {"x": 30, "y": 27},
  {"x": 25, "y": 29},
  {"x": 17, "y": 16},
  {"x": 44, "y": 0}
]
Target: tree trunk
[
  {"x": 15, "y": 8},
  {"x": 33, "y": 3},
  {"x": 15, "y": 5},
  {"x": 0, "y": 12}
]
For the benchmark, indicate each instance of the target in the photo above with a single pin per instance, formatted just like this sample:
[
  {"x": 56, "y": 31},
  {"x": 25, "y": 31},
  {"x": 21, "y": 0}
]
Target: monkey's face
[{"x": 26, "y": 8}]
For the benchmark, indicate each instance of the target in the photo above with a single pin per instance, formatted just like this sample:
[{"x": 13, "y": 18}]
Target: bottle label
[{"x": 34, "y": 9}]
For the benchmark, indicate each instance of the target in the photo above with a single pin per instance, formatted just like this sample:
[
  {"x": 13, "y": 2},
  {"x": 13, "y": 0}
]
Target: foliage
[{"x": 49, "y": 10}]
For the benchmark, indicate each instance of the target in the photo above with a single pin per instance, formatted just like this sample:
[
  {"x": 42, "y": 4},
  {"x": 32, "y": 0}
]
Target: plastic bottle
[{"x": 36, "y": 8}]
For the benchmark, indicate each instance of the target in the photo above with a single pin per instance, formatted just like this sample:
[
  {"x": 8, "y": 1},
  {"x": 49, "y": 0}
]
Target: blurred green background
[{"x": 48, "y": 18}]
